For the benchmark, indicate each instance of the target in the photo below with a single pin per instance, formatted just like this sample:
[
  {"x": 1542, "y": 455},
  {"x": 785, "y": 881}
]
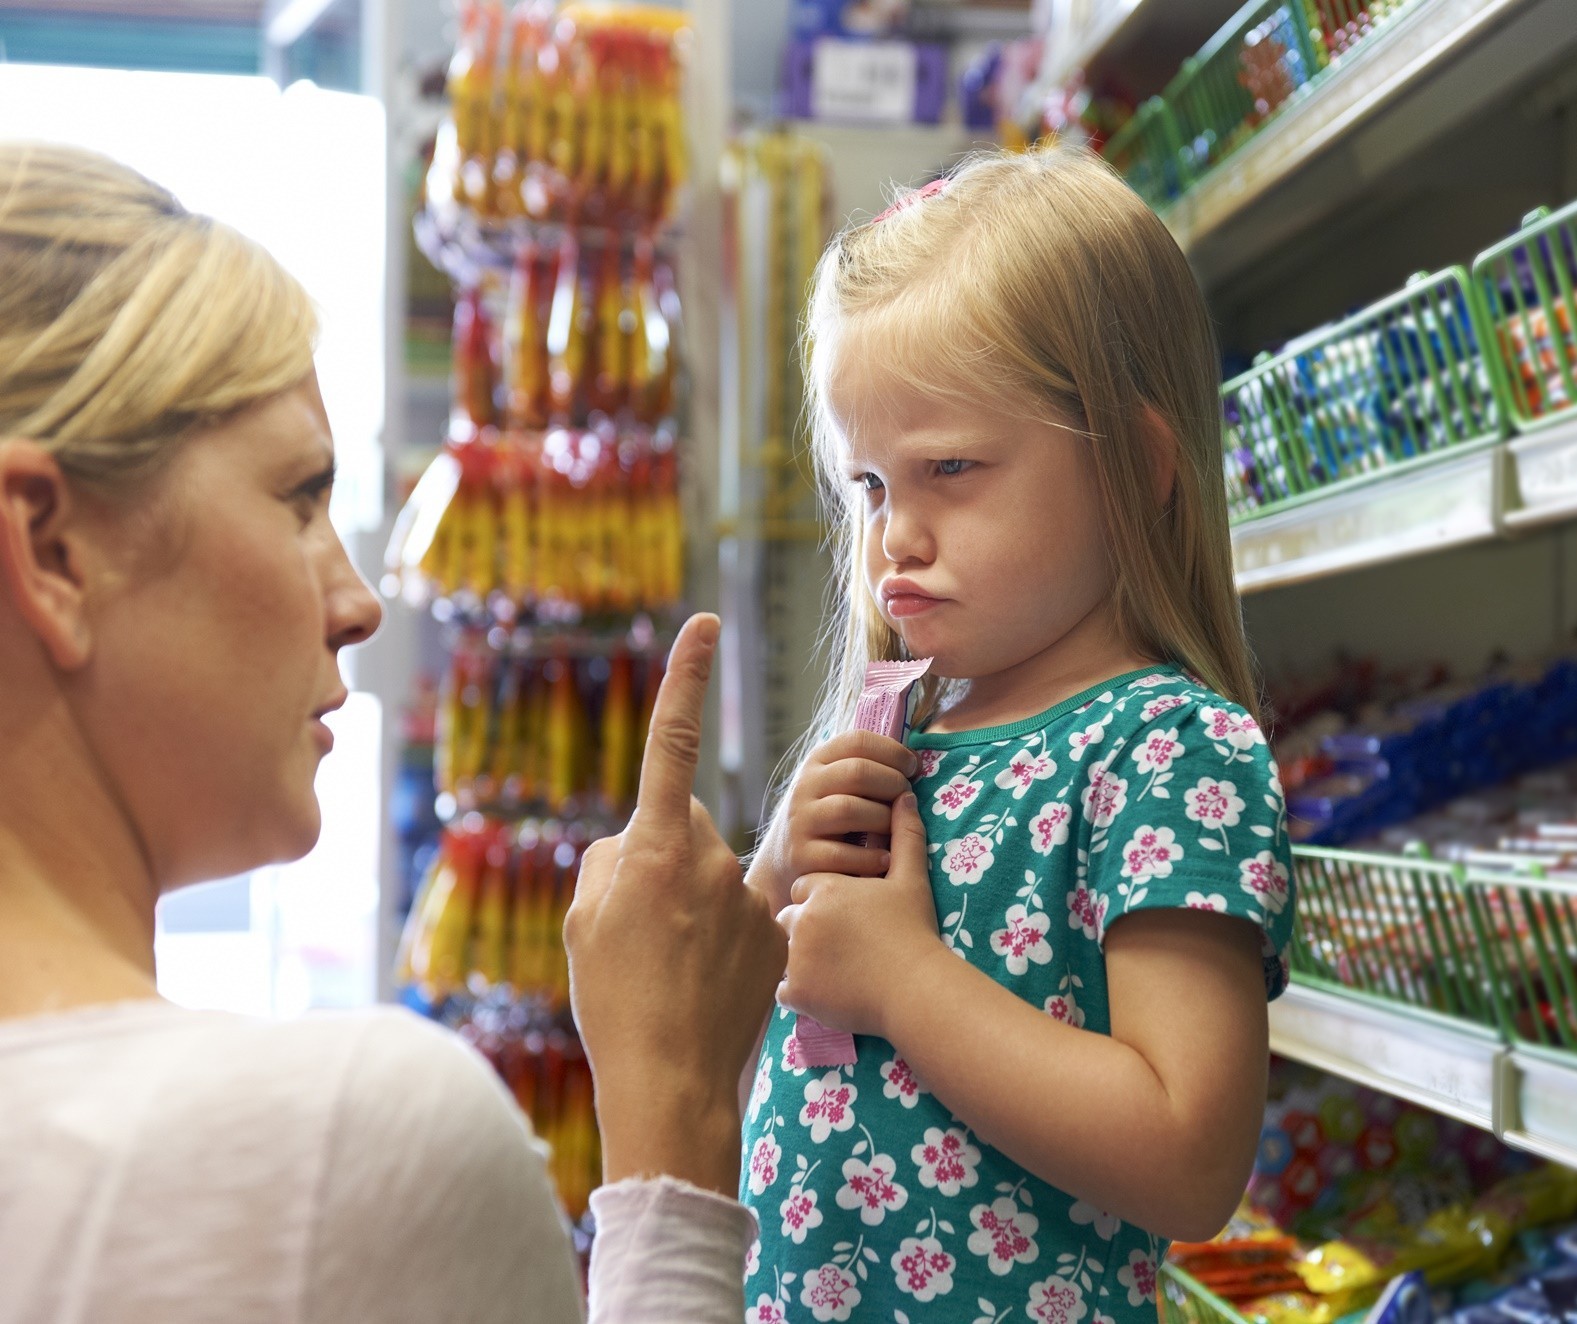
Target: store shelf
[
  {"x": 1432, "y": 68},
  {"x": 1443, "y": 503},
  {"x": 1543, "y": 478},
  {"x": 1102, "y": 32},
  {"x": 1539, "y": 1097},
  {"x": 1449, "y": 1067}
]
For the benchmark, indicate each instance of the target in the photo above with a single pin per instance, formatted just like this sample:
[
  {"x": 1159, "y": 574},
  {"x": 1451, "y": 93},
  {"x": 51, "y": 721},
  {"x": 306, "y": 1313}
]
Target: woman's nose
[{"x": 354, "y": 612}]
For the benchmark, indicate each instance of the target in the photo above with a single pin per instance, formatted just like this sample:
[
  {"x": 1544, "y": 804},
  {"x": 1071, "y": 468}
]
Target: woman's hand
[
  {"x": 673, "y": 961},
  {"x": 858, "y": 945},
  {"x": 844, "y": 787}
]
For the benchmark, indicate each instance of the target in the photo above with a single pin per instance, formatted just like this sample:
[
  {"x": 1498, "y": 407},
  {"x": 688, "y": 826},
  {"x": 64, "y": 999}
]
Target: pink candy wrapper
[{"x": 883, "y": 708}]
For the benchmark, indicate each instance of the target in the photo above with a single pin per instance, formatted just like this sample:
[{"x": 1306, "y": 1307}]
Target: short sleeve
[{"x": 1187, "y": 812}]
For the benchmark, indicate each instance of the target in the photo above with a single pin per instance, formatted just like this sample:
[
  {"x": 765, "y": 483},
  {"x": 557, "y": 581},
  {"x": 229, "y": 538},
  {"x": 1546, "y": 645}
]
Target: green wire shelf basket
[
  {"x": 1525, "y": 285},
  {"x": 1341, "y": 25},
  {"x": 1147, "y": 152},
  {"x": 1528, "y": 930},
  {"x": 1259, "y": 62},
  {"x": 1404, "y": 381}
]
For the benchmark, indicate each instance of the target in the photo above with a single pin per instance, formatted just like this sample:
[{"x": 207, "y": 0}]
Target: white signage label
[{"x": 873, "y": 81}]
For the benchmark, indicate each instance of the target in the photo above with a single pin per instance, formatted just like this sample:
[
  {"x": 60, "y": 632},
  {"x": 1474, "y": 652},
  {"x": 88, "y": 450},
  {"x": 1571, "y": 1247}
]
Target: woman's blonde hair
[
  {"x": 125, "y": 319},
  {"x": 1040, "y": 281}
]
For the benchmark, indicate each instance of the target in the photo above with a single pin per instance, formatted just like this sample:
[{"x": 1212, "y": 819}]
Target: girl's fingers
[
  {"x": 865, "y": 778},
  {"x": 868, "y": 745},
  {"x": 838, "y": 815},
  {"x": 842, "y": 857}
]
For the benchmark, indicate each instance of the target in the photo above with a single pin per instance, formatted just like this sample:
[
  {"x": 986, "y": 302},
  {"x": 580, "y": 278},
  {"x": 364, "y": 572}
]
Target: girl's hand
[
  {"x": 857, "y": 945},
  {"x": 845, "y": 786}
]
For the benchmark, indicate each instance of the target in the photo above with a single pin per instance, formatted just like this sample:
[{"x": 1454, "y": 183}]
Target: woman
[{"x": 173, "y": 599}]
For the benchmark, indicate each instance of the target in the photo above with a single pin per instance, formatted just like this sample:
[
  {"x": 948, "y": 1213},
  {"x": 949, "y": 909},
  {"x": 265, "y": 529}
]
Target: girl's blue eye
[
  {"x": 870, "y": 482},
  {"x": 949, "y": 468}
]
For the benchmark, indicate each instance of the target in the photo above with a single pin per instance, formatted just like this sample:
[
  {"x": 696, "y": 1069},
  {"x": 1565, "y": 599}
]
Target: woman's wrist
[{"x": 687, "y": 1132}]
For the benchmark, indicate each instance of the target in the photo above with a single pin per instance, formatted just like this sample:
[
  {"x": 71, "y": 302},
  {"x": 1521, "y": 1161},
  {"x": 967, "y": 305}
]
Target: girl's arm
[{"x": 1157, "y": 1124}]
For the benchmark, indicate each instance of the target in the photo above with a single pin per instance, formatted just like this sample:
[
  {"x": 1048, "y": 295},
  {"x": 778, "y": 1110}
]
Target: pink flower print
[
  {"x": 1158, "y": 751},
  {"x": 930, "y": 761},
  {"x": 1024, "y": 771},
  {"x": 967, "y": 858},
  {"x": 952, "y": 799},
  {"x": 947, "y": 1161},
  {"x": 800, "y": 1214},
  {"x": 1265, "y": 879},
  {"x": 761, "y": 1091},
  {"x": 794, "y": 1055},
  {"x": 1105, "y": 1224},
  {"x": 1214, "y": 804},
  {"x": 1138, "y": 1276},
  {"x": 767, "y": 1310},
  {"x": 870, "y": 1188},
  {"x": 1164, "y": 703},
  {"x": 1056, "y": 1301},
  {"x": 1151, "y": 853},
  {"x": 1080, "y": 741},
  {"x": 1084, "y": 907},
  {"x": 1024, "y": 939},
  {"x": 829, "y": 1106},
  {"x": 753, "y": 1259},
  {"x": 830, "y": 1292},
  {"x": 764, "y": 1164},
  {"x": 922, "y": 1268},
  {"x": 1238, "y": 730},
  {"x": 1105, "y": 797},
  {"x": 1004, "y": 1234},
  {"x": 1049, "y": 828},
  {"x": 899, "y": 1082},
  {"x": 1199, "y": 901},
  {"x": 1063, "y": 1007}
]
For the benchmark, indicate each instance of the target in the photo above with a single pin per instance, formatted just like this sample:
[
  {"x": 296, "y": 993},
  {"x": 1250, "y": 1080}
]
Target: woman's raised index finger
[{"x": 673, "y": 744}]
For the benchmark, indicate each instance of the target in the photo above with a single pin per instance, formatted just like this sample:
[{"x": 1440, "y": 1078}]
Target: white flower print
[
  {"x": 899, "y": 1082},
  {"x": 761, "y": 1091},
  {"x": 1214, "y": 804},
  {"x": 947, "y": 1161},
  {"x": 753, "y": 1259},
  {"x": 829, "y": 1106},
  {"x": 956, "y": 796},
  {"x": 967, "y": 858},
  {"x": 1024, "y": 771},
  {"x": 1004, "y": 1234},
  {"x": 1105, "y": 797},
  {"x": 1065, "y": 1008},
  {"x": 870, "y": 1188},
  {"x": 1049, "y": 828},
  {"x": 1237, "y": 730},
  {"x": 1151, "y": 854},
  {"x": 1163, "y": 703},
  {"x": 1087, "y": 911},
  {"x": 830, "y": 1292},
  {"x": 1056, "y": 1301},
  {"x": 930, "y": 761},
  {"x": 1093, "y": 734},
  {"x": 1106, "y": 1225},
  {"x": 764, "y": 1159},
  {"x": 799, "y": 1214},
  {"x": 794, "y": 1055},
  {"x": 767, "y": 1310},
  {"x": 1199, "y": 901},
  {"x": 1159, "y": 751},
  {"x": 1265, "y": 879},
  {"x": 1138, "y": 1276},
  {"x": 922, "y": 1268},
  {"x": 1024, "y": 939}
]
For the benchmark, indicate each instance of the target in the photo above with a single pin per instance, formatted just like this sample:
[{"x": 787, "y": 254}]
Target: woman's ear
[
  {"x": 41, "y": 552},
  {"x": 1161, "y": 441}
]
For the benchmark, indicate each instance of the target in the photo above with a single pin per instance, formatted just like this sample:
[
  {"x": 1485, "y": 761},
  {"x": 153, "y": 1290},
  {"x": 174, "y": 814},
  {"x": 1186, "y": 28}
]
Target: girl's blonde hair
[
  {"x": 1040, "y": 279},
  {"x": 125, "y": 320}
]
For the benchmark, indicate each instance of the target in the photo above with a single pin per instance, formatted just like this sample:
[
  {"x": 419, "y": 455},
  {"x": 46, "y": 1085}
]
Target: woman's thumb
[{"x": 908, "y": 835}]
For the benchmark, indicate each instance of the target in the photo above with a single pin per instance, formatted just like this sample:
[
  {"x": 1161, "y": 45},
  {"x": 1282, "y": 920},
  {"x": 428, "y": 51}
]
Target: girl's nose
[{"x": 906, "y": 539}]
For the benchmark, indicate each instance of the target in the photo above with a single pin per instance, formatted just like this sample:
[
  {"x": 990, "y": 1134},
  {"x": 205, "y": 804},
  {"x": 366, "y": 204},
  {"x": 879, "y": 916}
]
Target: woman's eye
[{"x": 948, "y": 468}]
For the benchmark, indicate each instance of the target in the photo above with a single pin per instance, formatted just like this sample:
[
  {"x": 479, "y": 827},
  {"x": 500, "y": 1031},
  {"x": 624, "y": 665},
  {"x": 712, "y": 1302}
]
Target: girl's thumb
[{"x": 908, "y": 835}]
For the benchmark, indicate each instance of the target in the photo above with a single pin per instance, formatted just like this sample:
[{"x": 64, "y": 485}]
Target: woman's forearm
[{"x": 1083, "y": 1111}]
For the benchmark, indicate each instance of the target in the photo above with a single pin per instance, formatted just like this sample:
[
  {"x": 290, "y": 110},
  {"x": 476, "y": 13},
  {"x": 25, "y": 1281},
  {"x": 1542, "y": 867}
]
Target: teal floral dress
[{"x": 875, "y": 1202}]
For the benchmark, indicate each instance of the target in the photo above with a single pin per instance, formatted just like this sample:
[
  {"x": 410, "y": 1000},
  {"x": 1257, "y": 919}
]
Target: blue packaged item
[{"x": 1404, "y": 1301}]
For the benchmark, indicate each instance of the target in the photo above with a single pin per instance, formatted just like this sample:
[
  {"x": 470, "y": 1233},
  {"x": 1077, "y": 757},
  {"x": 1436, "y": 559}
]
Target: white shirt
[{"x": 171, "y": 1166}]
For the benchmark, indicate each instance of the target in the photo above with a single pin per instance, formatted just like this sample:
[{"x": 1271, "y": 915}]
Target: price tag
[{"x": 871, "y": 81}]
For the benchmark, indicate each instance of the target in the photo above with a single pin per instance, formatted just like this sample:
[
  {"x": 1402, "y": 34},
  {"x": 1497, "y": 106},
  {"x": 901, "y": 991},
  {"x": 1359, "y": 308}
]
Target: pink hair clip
[{"x": 909, "y": 199}]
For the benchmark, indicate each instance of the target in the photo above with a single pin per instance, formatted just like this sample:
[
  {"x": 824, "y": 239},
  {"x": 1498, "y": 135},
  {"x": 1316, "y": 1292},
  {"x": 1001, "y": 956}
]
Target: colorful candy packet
[{"x": 883, "y": 707}]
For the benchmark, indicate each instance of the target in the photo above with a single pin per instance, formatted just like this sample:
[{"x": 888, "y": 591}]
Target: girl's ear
[
  {"x": 41, "y": 552},
  {"x": 1161, "y": 442}
]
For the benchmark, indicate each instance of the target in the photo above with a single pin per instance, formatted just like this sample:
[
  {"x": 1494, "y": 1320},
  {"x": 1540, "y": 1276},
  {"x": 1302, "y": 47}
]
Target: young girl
[{"x": 1015, "y": 382}]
